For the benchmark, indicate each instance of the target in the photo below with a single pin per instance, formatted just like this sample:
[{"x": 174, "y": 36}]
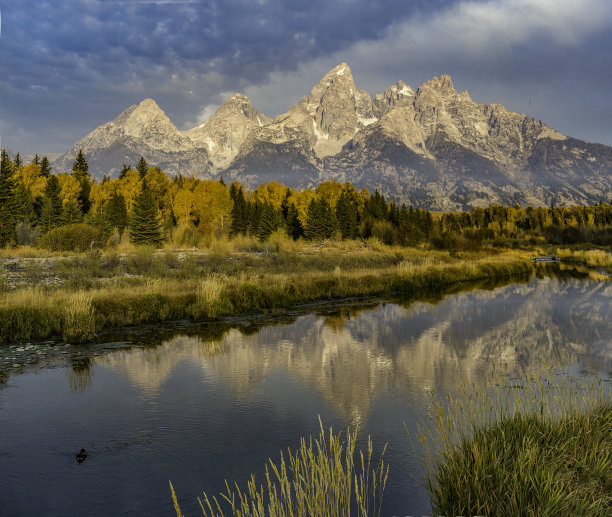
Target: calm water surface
[{"x": 198, "y": 406}]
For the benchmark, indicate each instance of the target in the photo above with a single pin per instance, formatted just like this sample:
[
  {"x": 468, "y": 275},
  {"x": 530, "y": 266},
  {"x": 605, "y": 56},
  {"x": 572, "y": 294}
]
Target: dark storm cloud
[{"x": 67, "y": 67}]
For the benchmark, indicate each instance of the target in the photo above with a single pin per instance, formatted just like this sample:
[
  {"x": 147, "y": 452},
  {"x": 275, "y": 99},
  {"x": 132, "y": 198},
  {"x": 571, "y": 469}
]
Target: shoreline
[{"x": 230, "y": 290}]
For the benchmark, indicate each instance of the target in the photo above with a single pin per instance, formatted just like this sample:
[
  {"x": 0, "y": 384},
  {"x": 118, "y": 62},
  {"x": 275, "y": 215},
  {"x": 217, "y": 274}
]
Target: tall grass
[
  {"x": 79, "y": 322},
  {"x": 171, "y": 289},
  {"x": 324, "y": 477},
  {"x": 593, "y": 258},
  {"x": 209, "y": 294},
  {"x": 542, "y": 446}
]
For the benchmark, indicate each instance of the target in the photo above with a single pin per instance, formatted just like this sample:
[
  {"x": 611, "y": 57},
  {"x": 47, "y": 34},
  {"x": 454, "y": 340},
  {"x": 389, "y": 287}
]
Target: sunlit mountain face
[{"x": 432, "y": 147}]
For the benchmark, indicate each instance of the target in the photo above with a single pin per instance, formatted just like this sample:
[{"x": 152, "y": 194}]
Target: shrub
[
  {"x": 26, "y": 234},
  {"x": 143, "y": 261},
  {"x": 73, "y": 237},
  {"x": 384, "y": 232},
  {"x": 186, "y": 236}
]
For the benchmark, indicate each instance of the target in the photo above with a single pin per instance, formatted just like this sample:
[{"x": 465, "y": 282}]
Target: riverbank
[
  {"x": 541, "y": 445},
  {"x": 96, "y": 291}
]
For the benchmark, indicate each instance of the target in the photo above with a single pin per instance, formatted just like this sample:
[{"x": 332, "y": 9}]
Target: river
[{"x": 201, "y": 404}]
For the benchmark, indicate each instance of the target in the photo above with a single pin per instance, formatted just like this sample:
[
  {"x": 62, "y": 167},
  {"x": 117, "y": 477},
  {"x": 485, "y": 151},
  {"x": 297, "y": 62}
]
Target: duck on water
[{"x": 81, "y": 455}]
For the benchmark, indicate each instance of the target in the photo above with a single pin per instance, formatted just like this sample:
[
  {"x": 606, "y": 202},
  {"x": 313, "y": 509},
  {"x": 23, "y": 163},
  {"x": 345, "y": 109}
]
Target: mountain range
[{"x": 431, "y": 147}]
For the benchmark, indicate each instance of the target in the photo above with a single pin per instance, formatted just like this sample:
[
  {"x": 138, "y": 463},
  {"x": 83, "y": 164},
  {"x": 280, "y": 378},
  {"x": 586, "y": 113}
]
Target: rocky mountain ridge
[{"x": 433, "y": 147}]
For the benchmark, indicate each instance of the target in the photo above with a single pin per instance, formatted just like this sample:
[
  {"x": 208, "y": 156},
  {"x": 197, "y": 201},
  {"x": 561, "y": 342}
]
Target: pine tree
[
  {"x": 18, "y": 162},
  {"x": 254, "y": 210},
  {"x": 124, "y": 171},
  {"x": 6, "y": 164},
  {"x": 347, "y": 214},
  {"x": 71, "y": 213},
  {"x": 80, "y": 172},
  {"x": 142, "y": 167},
  {"x": 294, "y": 227},
  {"x": 320, "y": 220},
  {"x": 145, "y": 224},
  {"x": 239, "y": 213},
  {"x": 80, "y": 163},
  {"x": 377, "y": 206},
  {"x": 269, "y": 221},
  {"x": 36, "y": 160},
  {"x": 393, "y": 214},
  {"x": 51, "y": 214},
  {"x": 45, "y": 167},
  {"x": 8, "y": 220},
  {"x": 24, "y": 205},
  {"x": 115, "y": 214}
]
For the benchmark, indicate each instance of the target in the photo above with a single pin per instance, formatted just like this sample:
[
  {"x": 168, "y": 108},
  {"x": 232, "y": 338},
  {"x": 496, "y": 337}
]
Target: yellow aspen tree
[
  {"x": 330, "y": 191},
  {"x": 30, "y": 176},
  {"x": 130, "y": 187},
  {"x": 70, "y": 188},
  {"x": 273, "y": 193},
  {"x": 184, "y": 207},
  {"x": 213, "y": 207},
  {"x": 302, "y": 200}
]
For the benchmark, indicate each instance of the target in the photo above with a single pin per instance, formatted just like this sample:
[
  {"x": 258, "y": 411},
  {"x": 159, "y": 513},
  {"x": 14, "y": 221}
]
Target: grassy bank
[
  {"x": 99, "y": 292},
  {"x": 541, "y": 447}
]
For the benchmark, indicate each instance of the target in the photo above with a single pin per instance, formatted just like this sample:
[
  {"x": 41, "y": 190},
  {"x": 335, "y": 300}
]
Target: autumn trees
[{"x": 35, "y": 200}]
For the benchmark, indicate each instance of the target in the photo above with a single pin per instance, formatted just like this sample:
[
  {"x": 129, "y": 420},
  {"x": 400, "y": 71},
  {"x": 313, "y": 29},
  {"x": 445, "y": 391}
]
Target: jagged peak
[
  {"x": 340, "y": 70},
  {"x": 240, "y": 104},
  {"x": 444, "y": 82},
  {"x": 239, "y": 97},
  {"x": 401, "y": 89},
  {"x": 236, "y": 102},
  {"x": 149, "y": 103},
  {"x": 140, "y": 114},
  {"x": 338, "y": 77}
]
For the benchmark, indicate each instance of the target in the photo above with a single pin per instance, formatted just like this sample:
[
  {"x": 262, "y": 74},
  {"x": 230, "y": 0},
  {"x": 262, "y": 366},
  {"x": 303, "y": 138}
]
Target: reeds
[
  {"x": 539, "y": 446},
  {"x": 79, "y": 323},
  {"x": 592, "y": 258},
  {"x": 171, "y": 288},
  {"x": 209, "y": 294},
  {"x": 324, "y": 477}
]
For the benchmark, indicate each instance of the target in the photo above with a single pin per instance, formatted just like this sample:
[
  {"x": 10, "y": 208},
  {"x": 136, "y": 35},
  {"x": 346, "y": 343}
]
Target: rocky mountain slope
[{"x": 433, "y": 147}]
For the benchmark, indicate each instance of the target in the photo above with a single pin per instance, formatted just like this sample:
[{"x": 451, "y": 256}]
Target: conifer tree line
[{"x": 147, "y": 206}]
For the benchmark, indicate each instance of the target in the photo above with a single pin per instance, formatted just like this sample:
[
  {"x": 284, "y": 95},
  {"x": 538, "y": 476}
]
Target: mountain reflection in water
[
  {"x": 348, "y": 358},
  {"x": 201, "y": 404}
]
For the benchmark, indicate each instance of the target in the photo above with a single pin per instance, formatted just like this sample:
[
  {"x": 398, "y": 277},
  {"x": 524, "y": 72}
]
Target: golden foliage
[
  {"x": 330, "y": 191},
  {"x": 29, "y": 175},
  {"x": 130, "y": 187},
  {"x": 212, "y": 205},
  {"x": 273, "y": 193},
  {"x": 301, "y": 200},
  {"x": 70, "y": 188}
]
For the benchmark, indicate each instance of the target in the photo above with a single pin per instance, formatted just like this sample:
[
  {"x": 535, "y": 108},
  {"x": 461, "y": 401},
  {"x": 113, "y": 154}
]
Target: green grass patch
[{"x": 538, "y": 447}]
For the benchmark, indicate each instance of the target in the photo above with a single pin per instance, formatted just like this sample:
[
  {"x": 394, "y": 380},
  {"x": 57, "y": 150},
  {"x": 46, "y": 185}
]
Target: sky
[{"x": 68, "y": 66}]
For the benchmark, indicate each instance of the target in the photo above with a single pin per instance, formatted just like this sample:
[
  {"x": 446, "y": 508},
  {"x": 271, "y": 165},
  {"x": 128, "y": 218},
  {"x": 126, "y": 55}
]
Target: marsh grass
[
  {"x": 539, "y": 446},
  {"x": 237, "y": 284},
  {"x": 79, "y": 322},
  {"x": 322, "y": 477},
  {"x": 210, "y": 290},
  {"x": 592, "y": 258}
]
